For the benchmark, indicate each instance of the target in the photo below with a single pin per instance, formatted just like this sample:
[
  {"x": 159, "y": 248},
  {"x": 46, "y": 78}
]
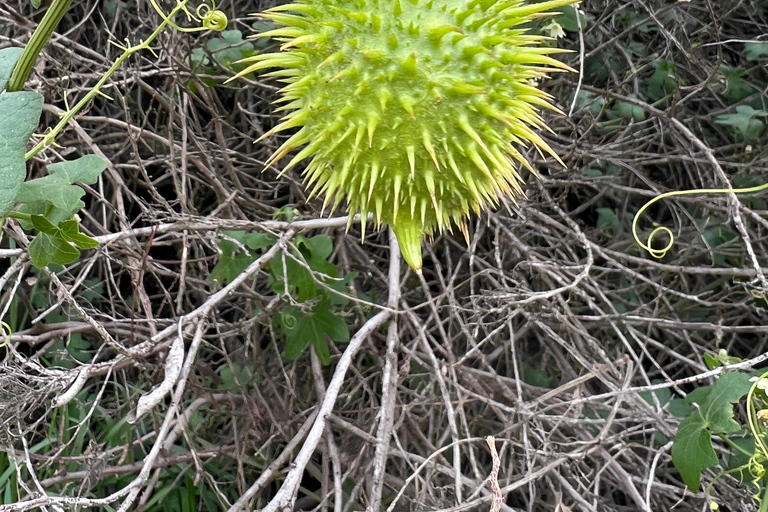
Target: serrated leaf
[
  {"x": 321, "y": 246},
  {"x": 8, "y": 58},
  {"x": 736, "y": 88},
  {"x": 692, "y": 451},
  {"x": 320, "y": 347},
  {"x": 663, "y": 81},
  {"x": 67, "y": 231},
  {"x": 19, "y": 116},
  {"x": 50, "y": 189},
  {"x": 537, "y": 377},
  {"x": 45, "y": 250},
  {"x": 258, "y": 241},
  {"x": 711, "y": 361}
]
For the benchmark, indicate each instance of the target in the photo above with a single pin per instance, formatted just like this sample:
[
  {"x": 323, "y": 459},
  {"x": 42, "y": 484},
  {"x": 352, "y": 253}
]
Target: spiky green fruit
[{"x": 410, "y": 109}]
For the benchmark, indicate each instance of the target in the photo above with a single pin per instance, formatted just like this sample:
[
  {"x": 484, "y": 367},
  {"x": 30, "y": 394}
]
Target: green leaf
[
  {"x": 736, "y": 88},
  {"x": 663, "y": 395},
  {"x": 36, "y": 3},
  {"x": 568, "y": 19},
  {"x": 679, "y": 407},
  {"x": 754, "y": 51},
  {"x": 69, "y": 230},
  {"x": 607, "y": 218},
  {"x": 628, "y": 112},
  {"x": 231, "y": 262},
  {"x": 19, "y": 116},
  {"x": 745, "y": 120},
  {"x": 303, "y": 329},
  {"x": 46, "y": 250},
  {"x": 729, "y": 389},
  {"x": 40, "y": 223},
  {"x": 663, "y": 81},
  {"x": 692, "y": 451},
  {"x": 234, "y": 259},
  {"x": 58, "y": 188},
  {"x": 8, "y": 58},
  {"x": 85, "y": 169},
  {"x": 537, "y": 377}
]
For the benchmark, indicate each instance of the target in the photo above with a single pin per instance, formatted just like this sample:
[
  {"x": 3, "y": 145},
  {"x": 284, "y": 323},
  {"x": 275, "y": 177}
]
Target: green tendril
[
  {"x": 207, "y": 16},
  {"x": 211, "y": 18},
  {"x": 5, "y": 333},
  {"x": 660, "y": 253}
]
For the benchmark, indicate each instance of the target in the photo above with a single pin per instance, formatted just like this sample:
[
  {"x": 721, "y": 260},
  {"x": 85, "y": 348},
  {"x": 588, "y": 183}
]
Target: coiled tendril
[
  {"x": 5, "y": 333},
  {"x": 660, "y": 253},
  {"x": 208, "y": 17},
  {"x": 211, "y": 18}
]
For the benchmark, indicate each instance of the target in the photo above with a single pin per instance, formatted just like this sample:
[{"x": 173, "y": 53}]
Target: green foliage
[
  {"x": 737, "y": 88},
  {"x": 8, "y": 59},
  {"x": 48, "y": 205},
  {"x": 747, "y": 123},
  {"x": 537, "y": 377},
  {"x": 302, "y": 329},
  {"x": 235, "y": 256},
  {"x": 607, "y": 219},
  {"x": 567, "y": 19},
  {"x": 755, "y": 51},
  {"x": 19, "y": 116},
  {"x": 225, "y": 51},
  {"x": 305, "y": 277},
  {"x": 711, "y": 414},
  {"x": 663, "y": 81}
]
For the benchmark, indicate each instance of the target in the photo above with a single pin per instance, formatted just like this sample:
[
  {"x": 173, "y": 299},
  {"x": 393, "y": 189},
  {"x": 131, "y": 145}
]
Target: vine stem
[
  {"x": 50, "y": 137},
  {"x": 39, "y": 38}
]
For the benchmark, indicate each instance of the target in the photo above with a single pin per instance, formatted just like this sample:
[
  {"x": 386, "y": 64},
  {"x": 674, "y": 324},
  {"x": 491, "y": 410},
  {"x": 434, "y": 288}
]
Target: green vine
[
  {"x": 36, "y": 43},
  {"x": 208, "y": 17}
]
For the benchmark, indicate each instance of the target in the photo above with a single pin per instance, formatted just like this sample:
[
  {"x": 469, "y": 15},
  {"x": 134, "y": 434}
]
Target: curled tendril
[
  {"x": 207, "y": 16},
  {"x": 660, "y": 253},
  {"x": 289, "y": 321},
  {"x": 211, "y": 18},
  {"x": 5, "y": 333}
]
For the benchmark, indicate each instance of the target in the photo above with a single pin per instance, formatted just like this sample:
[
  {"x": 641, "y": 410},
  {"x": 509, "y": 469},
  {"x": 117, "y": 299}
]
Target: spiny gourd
[{"x": 410, "y": 109}]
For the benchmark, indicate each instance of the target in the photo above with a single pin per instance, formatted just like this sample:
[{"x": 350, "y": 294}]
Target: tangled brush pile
[{"x": 410, "y": 109}]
